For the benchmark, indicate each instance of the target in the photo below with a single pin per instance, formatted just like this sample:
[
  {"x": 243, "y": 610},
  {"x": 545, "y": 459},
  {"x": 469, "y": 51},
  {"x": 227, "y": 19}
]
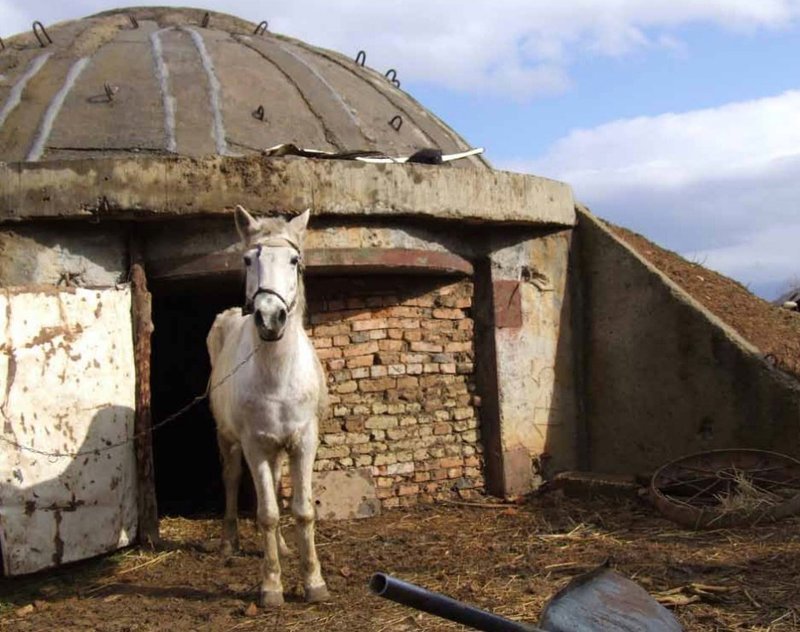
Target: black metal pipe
[{"x": 443, "y": 606}]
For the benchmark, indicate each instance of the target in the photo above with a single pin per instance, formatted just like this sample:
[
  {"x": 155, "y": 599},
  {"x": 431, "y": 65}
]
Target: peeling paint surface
[{"x": 67, "y": 385}]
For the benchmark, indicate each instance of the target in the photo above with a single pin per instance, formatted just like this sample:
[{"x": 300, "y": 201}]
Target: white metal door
[{"x": 67, "y": 386}]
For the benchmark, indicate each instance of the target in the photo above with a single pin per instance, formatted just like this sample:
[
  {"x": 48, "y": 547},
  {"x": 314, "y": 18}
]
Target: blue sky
[{"x": 678, "y": 119}]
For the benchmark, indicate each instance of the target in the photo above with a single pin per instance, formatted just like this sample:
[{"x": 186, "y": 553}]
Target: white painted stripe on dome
[
  {"x": 348, "y": 110},
  {"x": 214, "y": 92},
  {"x": 162, "y": 74},
  {"x": 15, "y": 96},
  {"x": 46, "y": 126}
]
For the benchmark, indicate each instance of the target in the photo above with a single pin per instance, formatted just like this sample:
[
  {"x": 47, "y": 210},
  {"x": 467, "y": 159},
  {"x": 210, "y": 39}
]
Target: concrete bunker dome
[{"x": 195, "y": 83}]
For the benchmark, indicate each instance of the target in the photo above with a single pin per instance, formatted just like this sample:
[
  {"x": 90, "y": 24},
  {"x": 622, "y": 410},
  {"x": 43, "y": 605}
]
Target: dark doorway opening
[{"x": 187, "y": 468}]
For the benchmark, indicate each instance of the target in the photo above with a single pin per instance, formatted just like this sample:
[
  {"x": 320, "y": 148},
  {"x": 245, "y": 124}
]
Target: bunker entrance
[{"x": 187, "y": 468}]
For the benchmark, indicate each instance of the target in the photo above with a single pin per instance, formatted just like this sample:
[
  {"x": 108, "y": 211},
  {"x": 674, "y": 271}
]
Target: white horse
[{"x": 269, "y": 394}]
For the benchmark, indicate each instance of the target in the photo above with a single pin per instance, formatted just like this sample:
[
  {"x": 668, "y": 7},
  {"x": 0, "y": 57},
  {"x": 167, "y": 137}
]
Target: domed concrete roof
[{"x": 190, "y": 82}]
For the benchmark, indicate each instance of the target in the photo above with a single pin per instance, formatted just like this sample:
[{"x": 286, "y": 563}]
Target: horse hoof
[
  {"x": 315, "y": 594},
  {"x": 229, "y": 548},
  {"x": 271, "y": 599}
]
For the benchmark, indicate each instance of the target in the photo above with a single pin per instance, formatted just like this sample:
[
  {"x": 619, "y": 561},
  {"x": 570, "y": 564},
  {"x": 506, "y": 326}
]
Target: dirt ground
[
  {"x": 775, "y": 331},
  {"x": 505, "y": 558}
]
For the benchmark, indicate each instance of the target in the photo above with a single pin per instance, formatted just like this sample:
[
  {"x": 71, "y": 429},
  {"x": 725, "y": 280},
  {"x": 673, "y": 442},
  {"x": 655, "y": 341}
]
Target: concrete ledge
[
  {"x": 320, "y": 262},
  {"x": 124, "y": 188}
]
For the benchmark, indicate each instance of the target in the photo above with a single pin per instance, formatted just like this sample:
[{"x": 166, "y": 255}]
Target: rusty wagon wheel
[{"x": 726, "y": 488}]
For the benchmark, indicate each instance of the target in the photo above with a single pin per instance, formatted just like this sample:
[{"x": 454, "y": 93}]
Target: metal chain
[{"x": 152, "y": 428}]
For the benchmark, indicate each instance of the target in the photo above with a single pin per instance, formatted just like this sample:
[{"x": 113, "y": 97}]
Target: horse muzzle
[{"x": 270, "y": 315}]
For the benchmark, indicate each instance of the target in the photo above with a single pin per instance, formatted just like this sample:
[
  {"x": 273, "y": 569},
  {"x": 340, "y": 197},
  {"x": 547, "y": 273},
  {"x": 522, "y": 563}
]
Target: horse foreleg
[
  {"x": 271, "y": 593},
  {"x": 231, "y": 455},
  {"x": 277, "y": 468},
  {"x": 301, "y": 463}
]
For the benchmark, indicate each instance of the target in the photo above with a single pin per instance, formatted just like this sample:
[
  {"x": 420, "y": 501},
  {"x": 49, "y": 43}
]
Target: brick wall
[{"x": 399, "y": 356}]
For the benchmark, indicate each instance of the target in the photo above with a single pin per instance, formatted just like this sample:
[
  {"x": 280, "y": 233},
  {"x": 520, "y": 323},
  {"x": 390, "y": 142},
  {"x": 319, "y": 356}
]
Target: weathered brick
[
  {"x": 378, "y": 371},
  {"x": 385, "y": 493},
  {"x": 336, "y": 438},
  {"x": 359, "y": 337},
  {"x": 347, "y": 387},
  {"x": 325, "y": 354},
  {"x": 385, "y": 459},
  {"x": 360, "y": 372},
  {"x": 396, "y": 433},
  {"x": 407, "y": 489},
  {"x": 412, "y": 336},
  {"x": 448, "y": 313},
  {"x": 332, "y": 452},
  {"x": 458, "y": 347},
  {"x": 335, "y": 364},
  {"x": 331, "y": 330},
  {"x": 367, "y": 325},
  {"x": 354, "y": 425},
  {"x": 464, "y": 367},
  {"x": 356, "y": 437},
  {"x": 426, "y": 347},
  {"x": 448, "y": 368},
  {"x": 381, "y": 422},
  {"x": 390, "y": 345},
  {"x": 395, "y": 334},
  {"x": 442, "y": 428},
  {"x": 341, "y": 340},
  {"x": 430, "y": 368},
  {"x": 322, "y": 342},
  {"x": 360, "y": 349},
  {"x": 379, "y": 384},
  {"x": 360, "y": 361},
  {"x": 391, "y": 503},
  {"x": 400, "y": 468},
  {"x": 450, "y": 461}
]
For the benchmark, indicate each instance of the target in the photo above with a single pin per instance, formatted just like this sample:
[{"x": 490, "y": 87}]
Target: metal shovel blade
[{"x": 602, "y": 599}]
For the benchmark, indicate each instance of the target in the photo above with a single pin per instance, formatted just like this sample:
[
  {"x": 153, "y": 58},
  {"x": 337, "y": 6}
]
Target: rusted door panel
[{"x": 66, "y": 385}]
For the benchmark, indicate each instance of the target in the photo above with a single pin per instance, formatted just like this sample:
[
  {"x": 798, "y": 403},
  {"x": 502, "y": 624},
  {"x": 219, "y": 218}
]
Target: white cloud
[
  {"x": 720, "y": 184},
  {"x": 516, "y": 48}
]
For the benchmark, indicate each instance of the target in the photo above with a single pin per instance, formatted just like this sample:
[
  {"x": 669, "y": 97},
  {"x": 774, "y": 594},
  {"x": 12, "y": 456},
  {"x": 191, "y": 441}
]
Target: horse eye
[
  {"x": 295, "y": 260},
  {"x": 248, "y": 260}
]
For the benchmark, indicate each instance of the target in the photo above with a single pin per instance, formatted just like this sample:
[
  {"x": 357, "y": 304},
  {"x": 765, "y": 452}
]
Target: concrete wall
[{"x": 663, "y": 376}]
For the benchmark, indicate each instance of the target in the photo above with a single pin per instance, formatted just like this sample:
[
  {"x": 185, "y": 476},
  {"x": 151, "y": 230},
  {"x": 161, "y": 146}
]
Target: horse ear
[
  {"x": 298, "y": 224},
  {"x": 246, "y": 224}
]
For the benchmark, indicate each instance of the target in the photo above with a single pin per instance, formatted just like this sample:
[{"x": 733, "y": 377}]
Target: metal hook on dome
[
  {"x": 259, "y": 113},
  {"x": 392, "y": 72},
  {"x": 206, "y": 20},
  {"x": 134, "y": 21},
  {"x": 361, "y": 58},
  {"x": 110, "y": 91},
  {"x": 2, "y": 44},
  {"x": 396, "y": 123},
  {"x": 44, "y": 32},
  {"x": 261, "y": 28}
]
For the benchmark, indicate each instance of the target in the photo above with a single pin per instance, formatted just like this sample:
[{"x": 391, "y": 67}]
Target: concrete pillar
[{"x": 526, "y": 362}]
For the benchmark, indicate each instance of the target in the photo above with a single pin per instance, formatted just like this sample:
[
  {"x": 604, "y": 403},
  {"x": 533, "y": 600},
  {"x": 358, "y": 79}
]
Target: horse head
[{"x": 273, "y": 259}]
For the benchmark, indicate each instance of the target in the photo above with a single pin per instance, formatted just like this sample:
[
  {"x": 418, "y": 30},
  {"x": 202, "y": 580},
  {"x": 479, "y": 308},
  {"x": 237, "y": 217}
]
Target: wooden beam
[{"x": 142, "y": 331}]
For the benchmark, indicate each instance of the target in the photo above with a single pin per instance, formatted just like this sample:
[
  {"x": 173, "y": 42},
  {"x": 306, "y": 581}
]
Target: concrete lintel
[
  {"x": 119, "y": 188},
  {"x": 323, "y": 261}
]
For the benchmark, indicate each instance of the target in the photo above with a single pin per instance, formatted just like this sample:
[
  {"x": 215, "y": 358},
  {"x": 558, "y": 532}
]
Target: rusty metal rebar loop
[
  {"x": 261, "y": 28},
  {"x": 43, "y": 31}
]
